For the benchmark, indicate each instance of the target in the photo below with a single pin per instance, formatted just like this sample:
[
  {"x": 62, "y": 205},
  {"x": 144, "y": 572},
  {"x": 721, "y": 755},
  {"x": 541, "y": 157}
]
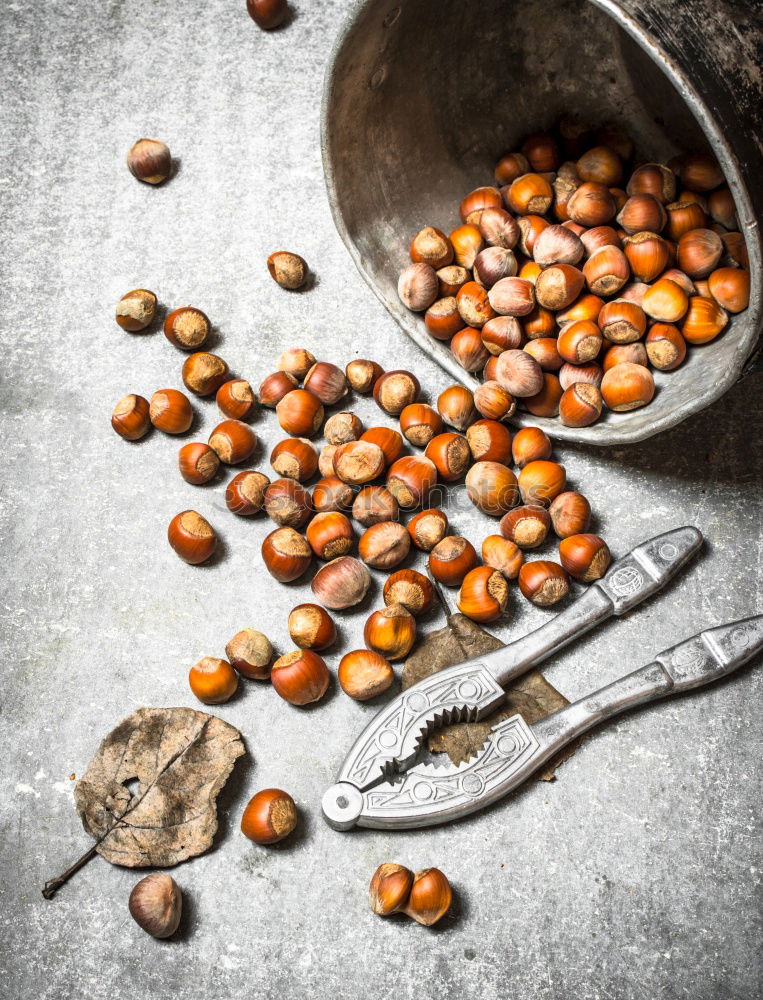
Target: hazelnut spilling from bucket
[{"x": 577, "y": 274}]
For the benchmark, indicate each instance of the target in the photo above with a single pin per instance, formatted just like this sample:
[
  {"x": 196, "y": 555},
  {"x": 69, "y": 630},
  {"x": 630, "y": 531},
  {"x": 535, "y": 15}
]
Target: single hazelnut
[
  {"x": 511, "y": 166},
  {"x": 340, "y": 428},
  {"x": 326, "y": 460},
  {"x": 375, "y": 504},
  {"x": 418, "y": 287},
  {"x": 389, "y": 889},
  {"x": 420, "y": 423},
  {"x": 274, "y": 387},
  {"x": 341, "y": 583},
  {"x": 234, "y": 441},
  {"x": 530, "y": 444},
  {"x": 580, "y": 405},
  {"x": 543, "y": 582},
  {"x": 450, "y": 454},
  {"x": 430, "y": 897},
  {"x": 389, "y": 440},
  {"x": 327, "y": 382},
  {"x": 557, "y": 245},
  {"x": 287, "y": 503},
  {"x": 286, "y": 554},
  {"x": 311, "y": 627},
  {"x": 409, "y": 588},
  {"x": 545, "y": 403},
  {"x": 519, "y": 373},
  {"x": 512, "y": 297},
  {"x": 187, "y": 328},
  {"x": 270, "y": 815},
  {"x": 467, "y": 242},
  {"x": 503, "y": 555},
  {"x": 300, "y": 413},
  {"x": 358, "y": 462},
  {"x": 591, "y": 373},
  {"x": 236, "y": 399},
  {"x": 267, "y": 14},
  {"x": 384, "y": 545},
  {"x": 451, "y": 559},
  {"x": 655, "y": 179},
  {"x": 131, "y": 417},
  {"x": 494, "y": 402},
  {"x": 665, "y": 347},
  {"x": 475, "y": 203},
  {"x": 456, "y": 407},
  {"x": 156, "y": 904},
  {"x": 498, "y": 228},
  {"x": 213, "y": 681},
  {"x": 492, "y": 488},
  {"x": 149, "y": 160},
  {"x": 192, "y": 537},
  {"x": 391, "y": 632},
  {"x": 540, "y": 482},
  {"x": 431, "y": 246},
  {"x": 627, "y": 386},
  {"x": 288, "y": 270},
  {"x": 600, "y": 164},
  {"x": 395, "y": 390},
  {"x": 411, "y": 479},
  {"x": 364, "y": 674},
  {"x": 296, "y": 361},
  {"x": 570, "y": 514},
  {"x": 136, "y": 310},
  {"x": 648, "y": 255},
  {"x": 484, "y": 594},
  {"x": 362, "y": 375},
  {"x": 170, "y": 411},
  {"x": 295, "y": 458},
  {"x": 502, "y": 333},
  {"x": 469, "y": 349},
  {"x": 558, "y": 286},
  {"x": 586, "y": 557},
  {"x": 526, "y": 526},
  {"x": 301, "y": 677},
  {"x": 428, "y": 528},
  {"x": 489, "y": 441},
  {"x": 330, "y": 493},
  {"x": 204, "y": 373},
  {"x": 198, "y": 463},
  {"x": 330, "y": 535},
  {"x": 250, "y": 654}
]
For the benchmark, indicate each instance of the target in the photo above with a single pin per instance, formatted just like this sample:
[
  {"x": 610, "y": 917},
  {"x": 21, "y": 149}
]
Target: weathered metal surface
[{"x": 421, "y": 98}]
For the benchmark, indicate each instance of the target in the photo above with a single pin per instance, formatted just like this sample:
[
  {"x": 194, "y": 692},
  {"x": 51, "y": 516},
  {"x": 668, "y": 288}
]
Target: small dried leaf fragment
[{"x": 181, "y": 759}]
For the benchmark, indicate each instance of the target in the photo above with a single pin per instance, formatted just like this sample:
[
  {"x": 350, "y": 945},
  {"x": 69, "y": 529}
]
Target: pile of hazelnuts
[{"x": 576, "y": 273}]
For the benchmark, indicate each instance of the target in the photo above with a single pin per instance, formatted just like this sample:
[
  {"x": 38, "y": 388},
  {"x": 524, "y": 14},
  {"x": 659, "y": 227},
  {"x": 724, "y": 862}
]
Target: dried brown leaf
[
  {"x": 181, "y": 759},
  {"x": 531, "y": 696}
]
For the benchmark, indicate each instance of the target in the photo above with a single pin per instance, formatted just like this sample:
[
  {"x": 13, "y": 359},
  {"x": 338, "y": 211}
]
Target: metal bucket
[{"x": 422, "y": 97}]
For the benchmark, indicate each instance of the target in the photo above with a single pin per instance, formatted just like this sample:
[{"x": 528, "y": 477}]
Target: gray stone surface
[{"x": 636, "y": 874}]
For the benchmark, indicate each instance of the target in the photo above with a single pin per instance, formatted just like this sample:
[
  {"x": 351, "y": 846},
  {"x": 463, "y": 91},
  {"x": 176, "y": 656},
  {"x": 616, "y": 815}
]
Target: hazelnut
[
  {"x": 192, "y": 537},
  {"x": 234, "y": 441},
  {"x": 545, "y": 403},
  {"x": 411, "y": 479},
  {"x": 451, "y": 456},
  {"x": 270, "y": 815},
  {"x": 502, "y": 333},
  {"x": 543, "y": 582},
  {"x": 326, "y": 459},
  {"x": 545, "y": 350},
  {"x": 530, "y": 228},
  {"x": 627, "y": 386},
  {"x": 431, "y": 246},
  {"x": 375, "y": 504},
  {"x": 467, "y": 242},
  {"x": 591, "y": 204},
  {"x": 570, "y": 514},
  {"x": 598, "y": 237},
  {"x": 149, "y": 160},
  {"x": 451, "y": 279},
  {"x": 456, "y": 406},
  {"x": 503, "y": 555},
  {"x": 364, "y": 674},
  {"x": 530, "y": 444},
  {"x": 529, "y": 194},
  {"x": 493, "y": 401},
  {"x": 587, "y": 306},
  {"x": 451, "y": 559},
  {"x": 730, "y": 287},
  {"x": 295, "y": 458},
  {"x": 411, "y": 589},
  {"x": 300, "y": 677},
  {"x": 267, "y": 14},
  {"x": 484, "y": 594},
  {"x": 540, "y": 482},
  {"x": 511, "y": 166},
  {"x": 722, "y": 209},
  {"x": 300, "y": 413},
  {"x": 330, "y": 535},
  {"x": 642, "y": 212},
  {"x": 342, "y": 583},
  {"x": 156, "y": 904},
  {"x": 519, "y": 373},
  {"x": 296, "y": 361},
  {"x": 580, "y": 405},
  {"x": 469, "y": 349},
  {"x": 395, "y": 390},
  {"x": 586, "y": 557},
  {"x": 665, "y": 347},
  {"x": 274, "y": 387},
  {"x": 187, "y": 328},
  {"x": 591, "y": 373},
  {"x": 389, "y": 889},
  {"x": 703, "y": 321},
  {"x": 311, "y": 627},
  {"x": 136, "y": 310},
  {"x": 131, "y": 417},
  {"x": 384, "y": 545},
  {"x": 557, "y": 245},
  {"x": 390, "y": 442},
  {"x": 622, "y": 322},
  {"x": 492, "y": 264},
  {"x": 430, "y": 897},
  {"x": 700, "y": 171},
  {"x": 390, "y": 632},
  {"x": 198, "y": 463},
  {"x": 204, "y": 373},
  {"x": 236, "y": 399},
  {"x": 330, "y": 493},
  {"x": 683, "y": 216},
  {"x": 541, "y": 150},
  {"x": 287, "y": 503},
  {"x": 647, "y": 254},
  {"x": 580, "y": 342},
  {"x": 170, "y": 411},
  {"x": 428, "y": 528},
  {"x": 498, "y": 228},
  {"x": 475, "y": 203},
  {"x": 600, "y": 164},
  {"x": 526, "y": 526},
  {"x": 559, "y": 285},
  {"x": 250, "y": 653},
  {"x": 288, "y": 270},
  {"x": 213, "y": 681},
  {"x": 358, "y": 462},
  {"x": 362, "y": 375},
  {"x": 286, "y": 554},
  {"x": 340, "y": 428},
  {"x": 698, "y": 253},
  {"x": 491, "y": 487},
  {"x": 420, "y": 423},
  {"x": 327, "y": 382},
  {"x": 418, "y": 287},
  {"x": 666, "y": 301},
  {"x": 512, "y": 297}
]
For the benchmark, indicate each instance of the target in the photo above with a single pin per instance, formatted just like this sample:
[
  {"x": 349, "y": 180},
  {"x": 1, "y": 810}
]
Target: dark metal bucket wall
[{"x": 422, "y": 97}]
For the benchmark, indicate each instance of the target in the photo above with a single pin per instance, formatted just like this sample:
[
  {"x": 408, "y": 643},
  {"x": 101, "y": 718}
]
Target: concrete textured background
[{"x": 635, "y": 874}]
